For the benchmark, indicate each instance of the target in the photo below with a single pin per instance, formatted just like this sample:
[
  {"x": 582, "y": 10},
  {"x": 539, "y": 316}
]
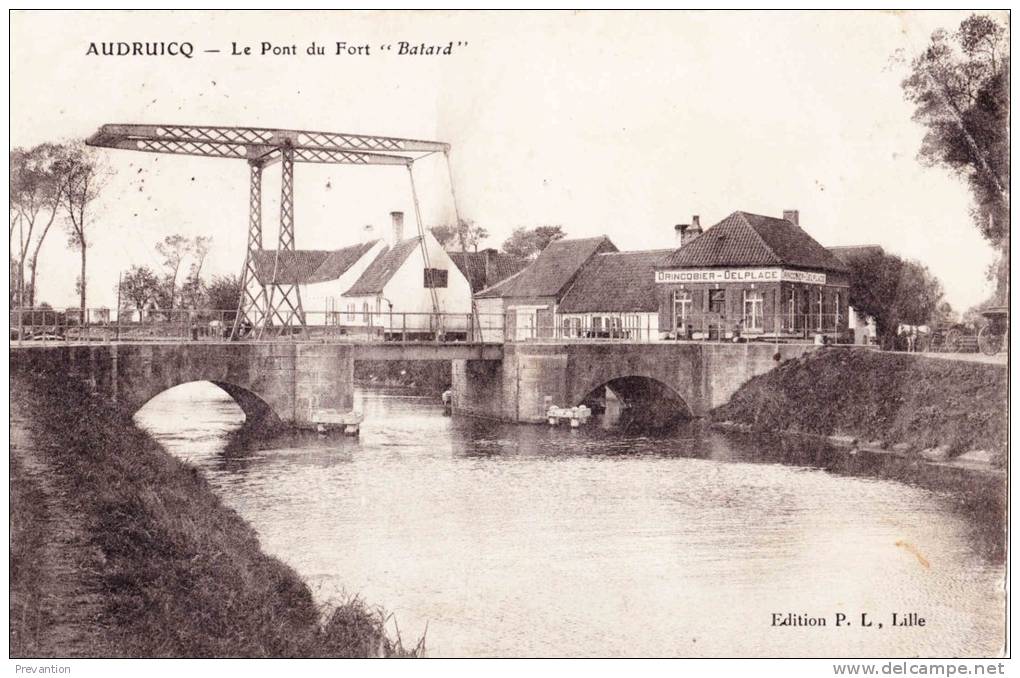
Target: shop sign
[{"x": 732, "y": 275}]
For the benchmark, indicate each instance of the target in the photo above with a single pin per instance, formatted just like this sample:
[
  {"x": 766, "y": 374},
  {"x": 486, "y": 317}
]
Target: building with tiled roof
[
  {"x": 614, "y": 296},
  {"x": 322, "y": 275},
  {"x": 303, "y": 267},
  {"x": 529, "y": 300},
  {"x": 752, "y": 275},
  {"x": 486, "y": 268}
]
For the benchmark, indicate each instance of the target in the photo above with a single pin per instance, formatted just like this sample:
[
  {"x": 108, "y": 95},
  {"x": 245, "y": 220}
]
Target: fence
[{"x": 103, "y": 325}]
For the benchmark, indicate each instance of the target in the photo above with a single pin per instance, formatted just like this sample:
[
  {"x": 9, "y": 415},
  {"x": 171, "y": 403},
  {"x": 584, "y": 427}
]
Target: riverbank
[
  {"x": 939, "y": 410},
  {"x": 118, "y": 549}
]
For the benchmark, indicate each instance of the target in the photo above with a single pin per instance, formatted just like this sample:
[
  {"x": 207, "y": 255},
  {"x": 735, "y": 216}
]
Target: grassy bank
[
  {"x": 176, "y": 573},
  {"x": 896, "y": 400}
]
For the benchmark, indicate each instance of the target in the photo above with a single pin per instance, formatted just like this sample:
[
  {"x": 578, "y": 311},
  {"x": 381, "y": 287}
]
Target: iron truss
[{"x": 267, "y": 305}]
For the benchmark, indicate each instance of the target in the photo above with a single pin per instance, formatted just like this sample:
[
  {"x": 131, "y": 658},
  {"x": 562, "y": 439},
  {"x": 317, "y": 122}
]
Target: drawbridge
[{"x": 272, "y": 305}]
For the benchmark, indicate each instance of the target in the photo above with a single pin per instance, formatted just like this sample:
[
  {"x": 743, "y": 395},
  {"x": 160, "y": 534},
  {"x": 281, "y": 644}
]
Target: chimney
[
  {"x": 398, "y": 226},
  {"x": 793, "y": 216},
  {"x": 678, "y": 233},
  {"x": 693, "y": 231}
]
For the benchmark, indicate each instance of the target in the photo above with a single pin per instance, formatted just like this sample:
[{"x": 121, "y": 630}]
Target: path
[{"x": 53, "y": 606}]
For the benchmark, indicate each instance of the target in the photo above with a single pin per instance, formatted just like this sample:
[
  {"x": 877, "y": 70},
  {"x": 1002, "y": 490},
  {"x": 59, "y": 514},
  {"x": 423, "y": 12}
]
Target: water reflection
[{"x": 530, "y": 540}]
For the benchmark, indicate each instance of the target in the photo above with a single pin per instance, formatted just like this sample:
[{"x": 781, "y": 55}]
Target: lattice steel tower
[{"x": 270, "y": 305}]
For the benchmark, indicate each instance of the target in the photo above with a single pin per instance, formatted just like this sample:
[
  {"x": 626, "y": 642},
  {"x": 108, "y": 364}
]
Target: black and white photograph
[{"x": 509, "y": 334}]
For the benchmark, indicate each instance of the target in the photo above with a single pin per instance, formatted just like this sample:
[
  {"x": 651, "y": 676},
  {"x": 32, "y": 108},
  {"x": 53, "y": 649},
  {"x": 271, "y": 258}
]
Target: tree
[
  {"x": 893, "y": 291},
  {"x": 173, "y": 249},
  {"x": 36, "y": 192},
  {"x": 960, "y": 87},
  {"x": 139, "y": 286},
  {"x": 466, "y": 235},
  {"x": 527, "y": 243},
  {"x": 82, "y": 176},
  {"x": 224, "y": 292},
  {"x": 193, "y": 289}
]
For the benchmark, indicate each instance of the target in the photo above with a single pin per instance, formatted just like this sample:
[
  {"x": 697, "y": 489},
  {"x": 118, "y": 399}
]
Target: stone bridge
[
  {"x": 289, "y": 381},
  {"x": 696, "y": 376},
  {"x": 272, "y": 382}
]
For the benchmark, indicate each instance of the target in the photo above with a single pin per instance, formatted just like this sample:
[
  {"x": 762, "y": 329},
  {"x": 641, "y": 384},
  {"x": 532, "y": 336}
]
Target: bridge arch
[
  {"x": 257, "y": 411},
  {"x": 643, "y": 397}
]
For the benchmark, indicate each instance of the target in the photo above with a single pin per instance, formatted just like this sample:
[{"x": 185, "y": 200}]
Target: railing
[{"x": 178, "y": 325}]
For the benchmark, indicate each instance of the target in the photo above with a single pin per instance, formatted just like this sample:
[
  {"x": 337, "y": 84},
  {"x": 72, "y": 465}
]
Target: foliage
[
  {"x": 464, "y": 236},
  {"x": 173, "y": 249},
  {"x": 35, "y": 198},
  {"x": 528, "y": 242},
  {"x": 892, "y": 291},
  {"x": 960, "y": 88},
  {"x": 139, "y": 286},
  {"x": 224, "y": 292}
]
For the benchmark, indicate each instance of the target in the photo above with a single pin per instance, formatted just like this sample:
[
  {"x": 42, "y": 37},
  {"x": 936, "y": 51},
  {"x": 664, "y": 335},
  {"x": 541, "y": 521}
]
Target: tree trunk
[
  {"x": 82, "y": 290},
  {"x": 31, "y": 281}
]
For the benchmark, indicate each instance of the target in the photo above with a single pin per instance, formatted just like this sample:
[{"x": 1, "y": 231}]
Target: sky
[{"x": 621, "y": 124}]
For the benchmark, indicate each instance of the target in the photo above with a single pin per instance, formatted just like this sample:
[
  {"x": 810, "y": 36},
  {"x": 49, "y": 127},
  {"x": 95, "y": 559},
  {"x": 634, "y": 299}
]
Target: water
[{"x": 527, "y": 541}]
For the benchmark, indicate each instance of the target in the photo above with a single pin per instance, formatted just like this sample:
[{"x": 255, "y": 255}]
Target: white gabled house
[{"x": 411, "y": 287}]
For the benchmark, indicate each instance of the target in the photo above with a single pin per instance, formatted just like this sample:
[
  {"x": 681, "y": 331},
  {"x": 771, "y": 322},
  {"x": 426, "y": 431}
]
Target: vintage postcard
[{"x": 510, "y": 334}]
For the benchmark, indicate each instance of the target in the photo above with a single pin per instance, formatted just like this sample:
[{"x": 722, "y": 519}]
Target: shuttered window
[{"x": 435, "y": 277}]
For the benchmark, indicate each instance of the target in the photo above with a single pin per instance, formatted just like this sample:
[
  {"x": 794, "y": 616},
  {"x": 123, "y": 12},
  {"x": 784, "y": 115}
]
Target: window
[
  {"x": 753, "y": 300},
  {"x": 435, "y": 277},
  {"x": 717, "y": 301},
  {"x": 792, "y": 310},
  {"x": 839, "y": 310},
  {"x": 364, "y": 311},
  {"x": 350, "y": 311},
  {"x": 681, "y": 309},
  {"x": 821, "y": 299}
]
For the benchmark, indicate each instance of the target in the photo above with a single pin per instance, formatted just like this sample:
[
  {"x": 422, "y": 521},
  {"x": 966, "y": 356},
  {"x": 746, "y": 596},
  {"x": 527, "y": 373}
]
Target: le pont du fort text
[{"x": 265, "y": 48}]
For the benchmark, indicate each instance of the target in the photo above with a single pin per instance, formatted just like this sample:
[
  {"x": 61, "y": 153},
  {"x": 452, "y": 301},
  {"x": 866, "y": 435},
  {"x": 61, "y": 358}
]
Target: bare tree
[
  {"x": 193, "y": 289},
  {"x": 173, "y": 249}
]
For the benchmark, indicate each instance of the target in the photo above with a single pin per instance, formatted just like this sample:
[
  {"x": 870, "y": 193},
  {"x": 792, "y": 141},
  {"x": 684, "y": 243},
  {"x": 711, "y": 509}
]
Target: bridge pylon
[{"x": 253, "y": 302}]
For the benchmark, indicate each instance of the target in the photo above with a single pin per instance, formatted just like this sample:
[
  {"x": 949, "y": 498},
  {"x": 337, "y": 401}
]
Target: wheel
[{"x": 989, "y": 340}]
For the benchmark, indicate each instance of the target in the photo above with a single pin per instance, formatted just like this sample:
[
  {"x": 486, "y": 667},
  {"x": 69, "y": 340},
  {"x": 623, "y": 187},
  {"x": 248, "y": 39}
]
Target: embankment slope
[
  {"x": 897, "y": 400},
  {"x": 119, "y": 549}
]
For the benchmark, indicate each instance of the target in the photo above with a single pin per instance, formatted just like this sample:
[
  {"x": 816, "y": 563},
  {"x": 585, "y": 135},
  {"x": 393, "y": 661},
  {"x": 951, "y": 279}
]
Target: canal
[{"x": 529, "y": 541}]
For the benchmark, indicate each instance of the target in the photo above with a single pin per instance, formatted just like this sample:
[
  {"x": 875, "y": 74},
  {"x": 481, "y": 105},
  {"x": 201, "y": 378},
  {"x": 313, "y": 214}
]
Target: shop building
[{"x": 751, "y": 276}]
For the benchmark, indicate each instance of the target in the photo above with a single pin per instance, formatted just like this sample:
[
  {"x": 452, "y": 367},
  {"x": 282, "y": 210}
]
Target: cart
[{"x": 993, "y": 336}]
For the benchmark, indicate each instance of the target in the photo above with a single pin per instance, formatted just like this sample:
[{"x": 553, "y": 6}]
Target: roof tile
[
  {"x": 745, "y": 239},
  {"x": 301, "y": 267},
  {"x": 616, "y": 282},
  {"x": 379, "y": 272}
]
